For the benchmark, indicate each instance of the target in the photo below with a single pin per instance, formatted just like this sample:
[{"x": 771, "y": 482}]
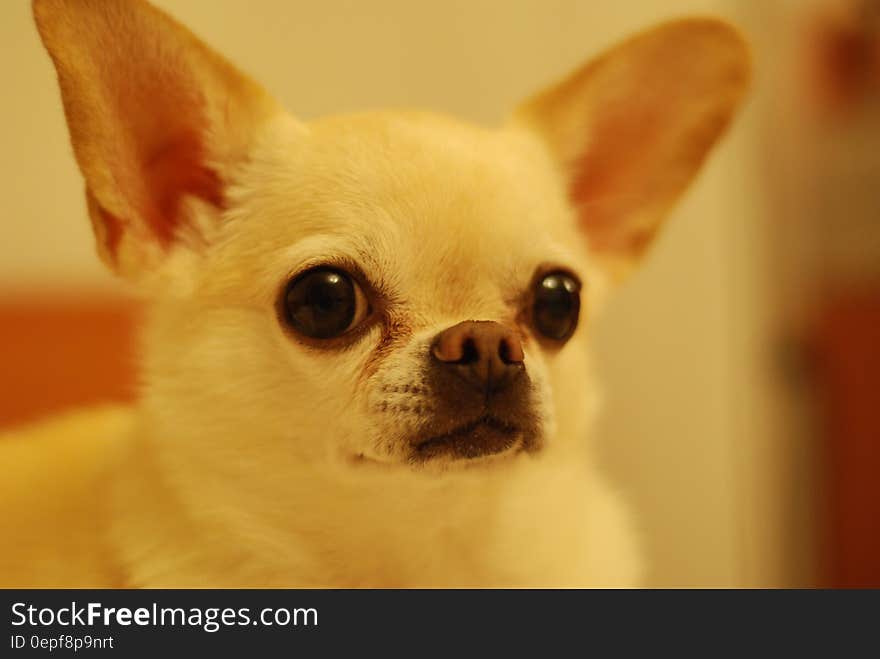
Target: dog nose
[{"x": 484, "y": 353}]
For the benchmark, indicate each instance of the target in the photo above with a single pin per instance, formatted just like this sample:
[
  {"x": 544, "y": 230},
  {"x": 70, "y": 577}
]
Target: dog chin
[
  {"x": 482, "y": 443},
  {"x": 483, "y": 437}
]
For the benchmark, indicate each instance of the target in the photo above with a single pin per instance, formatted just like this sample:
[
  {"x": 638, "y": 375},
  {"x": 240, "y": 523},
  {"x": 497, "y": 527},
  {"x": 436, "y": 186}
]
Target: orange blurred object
[
  {"x": 843, "y": 54},
  {"x": 59, "y": 351},
  {"x": 848, "y": 354}
]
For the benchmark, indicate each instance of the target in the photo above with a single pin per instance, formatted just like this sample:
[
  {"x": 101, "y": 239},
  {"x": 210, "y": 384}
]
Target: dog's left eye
[
  {"x": 323, "y": 303},
  {"x": 555, "y": 305}
]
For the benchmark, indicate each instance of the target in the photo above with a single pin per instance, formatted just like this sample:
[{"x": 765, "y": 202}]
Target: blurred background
[{"x": 741, "y": 365}]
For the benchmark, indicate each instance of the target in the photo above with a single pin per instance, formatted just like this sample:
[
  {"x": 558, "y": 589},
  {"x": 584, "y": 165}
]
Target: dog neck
[{"x": 347, "y": 526}]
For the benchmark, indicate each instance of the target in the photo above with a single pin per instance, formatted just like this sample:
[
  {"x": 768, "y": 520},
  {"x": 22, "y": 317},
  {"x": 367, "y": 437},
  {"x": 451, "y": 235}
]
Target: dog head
[{"x": 379, "y": 288}]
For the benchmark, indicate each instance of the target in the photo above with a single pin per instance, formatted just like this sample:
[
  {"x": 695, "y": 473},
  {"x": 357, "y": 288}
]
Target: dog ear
[
  {"x": 157, "y": 120},
  {"x": 631, "y": 128}
]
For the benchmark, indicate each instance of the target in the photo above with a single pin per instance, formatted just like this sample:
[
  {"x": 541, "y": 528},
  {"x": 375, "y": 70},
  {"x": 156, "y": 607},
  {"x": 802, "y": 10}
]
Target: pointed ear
[
  {"x": 631, "y": 128},
  {"x": 156, "y": 119}
]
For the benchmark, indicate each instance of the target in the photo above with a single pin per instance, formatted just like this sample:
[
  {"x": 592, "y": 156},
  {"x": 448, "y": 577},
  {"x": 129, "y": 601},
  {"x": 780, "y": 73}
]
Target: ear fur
[
  {"x": 156, "y": 118},
  {"x": 631, "y": 128}
]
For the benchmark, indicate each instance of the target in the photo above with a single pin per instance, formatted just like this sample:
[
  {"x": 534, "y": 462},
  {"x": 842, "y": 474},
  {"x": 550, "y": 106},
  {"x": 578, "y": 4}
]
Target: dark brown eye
[
  {"x": 323, "y": 303},
  {"x": 555, "y": 306}
]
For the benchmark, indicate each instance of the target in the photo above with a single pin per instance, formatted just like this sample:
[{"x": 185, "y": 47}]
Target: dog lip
[{"x": 508, "y": 433}]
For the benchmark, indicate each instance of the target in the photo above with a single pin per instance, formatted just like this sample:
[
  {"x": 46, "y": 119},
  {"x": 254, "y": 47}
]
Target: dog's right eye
[{"x": 324, "y": 303}]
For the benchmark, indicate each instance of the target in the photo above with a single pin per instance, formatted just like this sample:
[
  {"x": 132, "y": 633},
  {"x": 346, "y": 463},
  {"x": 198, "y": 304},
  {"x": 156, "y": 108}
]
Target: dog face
[
  {"x": 363, "y": 306},
  {"x": 390, "y": 288},
  {"x": 431, "y": 351}
]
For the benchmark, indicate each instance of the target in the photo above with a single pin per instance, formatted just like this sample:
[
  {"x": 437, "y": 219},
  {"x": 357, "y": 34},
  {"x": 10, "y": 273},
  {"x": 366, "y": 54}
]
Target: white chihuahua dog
[{"x": 366, "y": 358}]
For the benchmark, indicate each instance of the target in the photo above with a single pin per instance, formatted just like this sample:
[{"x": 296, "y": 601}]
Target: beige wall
[{"x": 677, "y": 348}]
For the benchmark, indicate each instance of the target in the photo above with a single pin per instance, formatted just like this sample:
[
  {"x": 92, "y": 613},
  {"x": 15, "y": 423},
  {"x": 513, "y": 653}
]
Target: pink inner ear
[
  {"x": 156, "y": 150},
  {"x": 173, "y": 171},
  {"x": 170, "y": 174},
  {"x": 616, "y": 174}
]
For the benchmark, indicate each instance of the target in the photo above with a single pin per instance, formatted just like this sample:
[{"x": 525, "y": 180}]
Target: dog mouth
[{"x": 484, "y": 436}]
